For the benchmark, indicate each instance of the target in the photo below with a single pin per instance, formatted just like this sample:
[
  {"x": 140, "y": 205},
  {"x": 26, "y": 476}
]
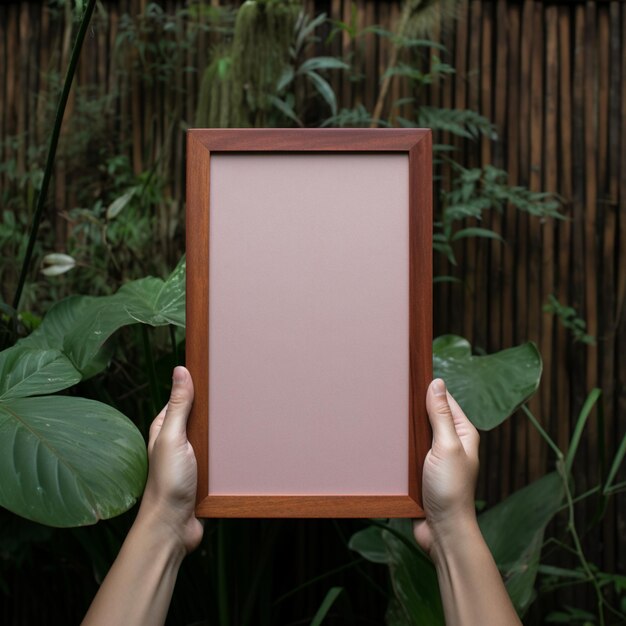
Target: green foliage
[
  {"x": 477, "y": 190},
  {"x": 422, "y": 16},
  {"x": 262, "y": 72},
  {"x": 69, "y": 461},
  {"x": 569, "y": 319},
  {"x": 327, "y": 603},
  {"x": 263, "y": 88},
  {"x": 153, "y": 45},
  {"x": 472, "y": 192},
  {"x": 513, "y": 529},
  {"x": 245, "y": 72},
  {"x": 79, "y": 326},
  {"x": 267, "y": 28},
  {"x": 111, "y": 238},
  {"x": 491, "y": 387},
  {"x": 413, "y": 576}
]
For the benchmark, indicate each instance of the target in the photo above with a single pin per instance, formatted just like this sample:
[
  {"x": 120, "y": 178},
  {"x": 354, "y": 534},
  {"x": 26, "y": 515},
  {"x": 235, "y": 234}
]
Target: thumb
[
  {"x": 440, "y": 414},
  {"x": 179, "y": 404}
]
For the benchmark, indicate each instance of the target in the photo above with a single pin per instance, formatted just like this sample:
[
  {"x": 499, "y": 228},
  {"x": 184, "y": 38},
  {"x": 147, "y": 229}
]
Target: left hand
[{"x": 170, "y": 494}]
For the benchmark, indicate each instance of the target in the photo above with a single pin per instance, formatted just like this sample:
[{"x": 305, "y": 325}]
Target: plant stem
[
  {"x": 571, "y": 527},
  {"x": 52, "y": 149},
  {"x": 542, "y": 432},
  {"x": 393, "y": 59}
]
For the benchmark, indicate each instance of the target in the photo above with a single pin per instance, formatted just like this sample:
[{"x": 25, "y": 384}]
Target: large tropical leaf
[
  {"x": 413, "y": 577},
  {"x": 28, "y": 371},
  {"x": 154, "y": 301},
  {"x": 369, "y": 544},
  {"x": 68, "y": 461},
  {"x": 80, "y": 326},
  {"x": 514, "y": 529},
  {"x": 491, "y": 387}
]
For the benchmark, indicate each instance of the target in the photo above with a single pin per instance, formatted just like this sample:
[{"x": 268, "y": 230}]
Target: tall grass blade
[
  {"x": 590, "y": 402},
  {"x": 327, "y": 602}
]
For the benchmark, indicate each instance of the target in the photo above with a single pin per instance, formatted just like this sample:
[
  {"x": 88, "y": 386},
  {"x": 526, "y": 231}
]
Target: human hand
[
  {"x": 170, "y": 493},
  {"x": 450, "y": 472}
]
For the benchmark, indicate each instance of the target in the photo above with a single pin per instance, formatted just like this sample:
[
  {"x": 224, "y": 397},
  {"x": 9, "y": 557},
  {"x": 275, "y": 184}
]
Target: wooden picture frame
[{"x": 223, "y": 162}]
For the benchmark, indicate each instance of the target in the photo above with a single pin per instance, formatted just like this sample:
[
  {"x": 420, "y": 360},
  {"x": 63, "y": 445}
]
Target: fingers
[
  {"x": 179, "y": 404},
  {"x": 440, "y": 414}
]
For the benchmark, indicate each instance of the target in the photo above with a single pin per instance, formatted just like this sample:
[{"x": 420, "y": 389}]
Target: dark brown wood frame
[{"x": 417, "y": 143}]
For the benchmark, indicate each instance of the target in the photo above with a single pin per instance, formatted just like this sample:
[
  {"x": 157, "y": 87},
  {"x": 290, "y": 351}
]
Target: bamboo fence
[{"x": 552, "y": 77}]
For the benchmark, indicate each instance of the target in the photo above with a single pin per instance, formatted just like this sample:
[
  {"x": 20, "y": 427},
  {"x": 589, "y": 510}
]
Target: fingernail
[
  {"x": 439, "y": 387},
  {"x": 179, "y": 374}
]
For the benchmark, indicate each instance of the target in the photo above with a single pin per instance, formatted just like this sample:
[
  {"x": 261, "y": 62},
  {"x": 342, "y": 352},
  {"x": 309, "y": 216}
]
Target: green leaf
[
  {"x": 413, "y": 577},
  {"x": 59, "y": 324},
  {"x": 369, "y": 544},
  {"x": 285, "y": 109},
  {"x": 324, "y": 89},
  {"x": 590, "y": 402},
  {"x": 154, "y": 301},
  {"x": 327, "y": 602},
  {"x": 119, "y": 204},
  {"x": 79, "y": 326},
  {"x": 459, "y": 122},
  {"x": 514, "y": 529},
  {"x": 491, "y": 387},
  {"x": 446, "y": 279},
  {"x": 30, "y": 372},
  {"x": 308, "y": 28},
  {"x": 395, "y": 615},
  {"x": 476, "y": 232},
  {"x": 68, "y": 461},
  {"x": 617, "y": 461},
  {"x": 285, "y": 78},
  {"x": 322, "y": 63}
]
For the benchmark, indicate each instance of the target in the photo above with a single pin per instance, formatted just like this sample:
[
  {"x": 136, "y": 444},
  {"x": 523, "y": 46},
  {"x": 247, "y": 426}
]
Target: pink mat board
[{"x": 308, "y": 324}]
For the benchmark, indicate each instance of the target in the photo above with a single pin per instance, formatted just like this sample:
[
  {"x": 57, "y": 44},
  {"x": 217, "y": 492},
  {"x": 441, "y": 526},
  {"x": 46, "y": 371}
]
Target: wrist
[
  {"x": 152, "y": 523},
  {"x": 453, "y": 536}
]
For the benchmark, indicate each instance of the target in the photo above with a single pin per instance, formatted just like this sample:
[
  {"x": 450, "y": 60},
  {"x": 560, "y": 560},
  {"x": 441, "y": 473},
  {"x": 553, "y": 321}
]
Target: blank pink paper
[{"x": 308, "y": 324}]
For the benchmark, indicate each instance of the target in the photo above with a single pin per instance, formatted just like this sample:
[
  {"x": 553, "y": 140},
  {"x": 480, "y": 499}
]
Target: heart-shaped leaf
[
  {"x": 68, "y": 461},
  {"x": 488, "y": 388},
  {"x": 80, "y": 326},
  {"x": 154, "y": 301}
]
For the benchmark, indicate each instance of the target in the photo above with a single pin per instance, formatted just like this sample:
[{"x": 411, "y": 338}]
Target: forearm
[
  {"x": 138, "y": 588},
  {"x": 471, "y": 588}
]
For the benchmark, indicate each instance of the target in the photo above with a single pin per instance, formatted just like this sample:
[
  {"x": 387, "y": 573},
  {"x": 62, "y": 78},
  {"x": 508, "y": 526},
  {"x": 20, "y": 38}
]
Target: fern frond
[{"x": 459, "y": 122}]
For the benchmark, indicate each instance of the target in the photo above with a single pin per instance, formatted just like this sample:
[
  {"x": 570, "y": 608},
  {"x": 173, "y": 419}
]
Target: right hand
[
  {"x": 170, "y": 494},
  {"x": 450, "y": 471}
]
